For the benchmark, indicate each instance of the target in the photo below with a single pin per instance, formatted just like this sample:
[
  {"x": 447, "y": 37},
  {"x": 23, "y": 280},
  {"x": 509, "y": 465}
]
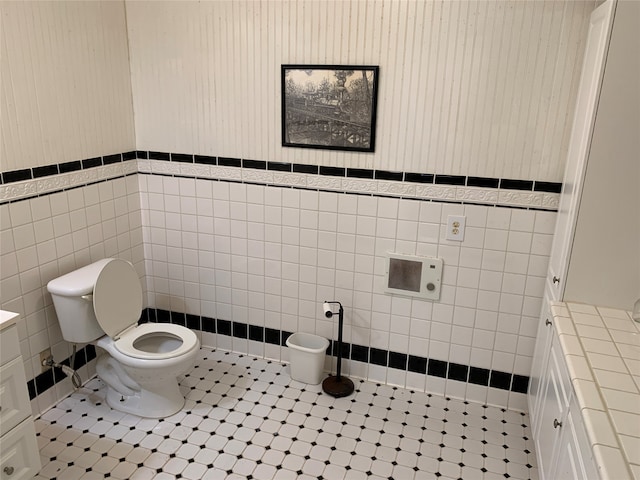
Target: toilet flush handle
[{"x": 88, "y": 298}]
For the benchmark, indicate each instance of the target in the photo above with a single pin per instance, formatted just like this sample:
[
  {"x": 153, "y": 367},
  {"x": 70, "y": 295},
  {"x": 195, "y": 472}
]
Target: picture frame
[{"x": 330, "y": 107}]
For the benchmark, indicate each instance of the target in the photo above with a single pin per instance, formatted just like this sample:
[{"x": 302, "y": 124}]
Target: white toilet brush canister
[{"x": 338, "y": 385}]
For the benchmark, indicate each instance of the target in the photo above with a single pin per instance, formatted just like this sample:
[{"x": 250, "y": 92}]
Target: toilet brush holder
[{"x": 337, "y": 385}]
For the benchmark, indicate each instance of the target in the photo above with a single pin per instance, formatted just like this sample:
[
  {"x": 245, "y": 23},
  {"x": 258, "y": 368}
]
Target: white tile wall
[
  {"x": 272, "y": 264},
  {"x": 45, "y": 237}
]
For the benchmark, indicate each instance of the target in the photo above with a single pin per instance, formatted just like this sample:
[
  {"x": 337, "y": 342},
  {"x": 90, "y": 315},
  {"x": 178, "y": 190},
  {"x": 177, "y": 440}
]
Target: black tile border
[
  {"x": 308, "y": 169},
  {"x": 360, "y": 353},
  {"x": 359, "y": 173},
  {"x": 65, "y": 167},
  {"x": 229, "y": 162},
  {"x": 450, "y": 180},
  {"x": 13, "y": 176},
  {"x": 412, "y": 177},
  {"x": 49, "y": 170},
  {"x": 181, "y": 157},
  {"x": 47, "y": 379},
  {"x": 332, "y": 171},
  {"x": 279, "y": 166},
  {"x": 111, "y": 159},
  {"x": 387, "y": 175},
  {"x": 255, "y": 164},
  {"x": 376, "y": 356},
  {"x": 509, "y": 184}
]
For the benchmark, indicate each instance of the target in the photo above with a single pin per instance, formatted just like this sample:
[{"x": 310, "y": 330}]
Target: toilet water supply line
[{"x": 68, "y": 371}]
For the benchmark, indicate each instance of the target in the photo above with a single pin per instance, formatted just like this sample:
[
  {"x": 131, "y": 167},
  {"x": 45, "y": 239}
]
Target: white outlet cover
[{"x": 455, "y": 227}]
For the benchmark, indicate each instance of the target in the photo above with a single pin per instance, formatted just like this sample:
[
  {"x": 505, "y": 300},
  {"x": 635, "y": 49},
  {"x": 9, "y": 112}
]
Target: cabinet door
[
  {"x": 579, "y": 142},
  {"x": 540, "y": 365},
  {"x": 553, "y": 409},
  {"x": 19, "y": 458},
  {"x": 573, "y": 461},
  {"x": 14, "y": 398},
  {"x": 575, "y": 457}
]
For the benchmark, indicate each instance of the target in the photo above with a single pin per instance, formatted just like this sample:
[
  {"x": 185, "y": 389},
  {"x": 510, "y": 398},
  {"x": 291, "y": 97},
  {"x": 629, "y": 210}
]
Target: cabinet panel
[
  {"x": 552, "y": 411},
  {"x": 20, "y": 454},
  {"x": 554, "y": 406},
  {"x": 13, "y": 395},
  {"x": 583, "y": 120},
  {"x": 573, "y": 461},
  {"x": 539, "y": 368}
]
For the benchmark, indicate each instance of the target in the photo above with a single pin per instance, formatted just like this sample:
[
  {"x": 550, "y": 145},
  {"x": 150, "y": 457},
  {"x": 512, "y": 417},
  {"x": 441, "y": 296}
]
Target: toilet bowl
[{"x": 140, "y": 364}]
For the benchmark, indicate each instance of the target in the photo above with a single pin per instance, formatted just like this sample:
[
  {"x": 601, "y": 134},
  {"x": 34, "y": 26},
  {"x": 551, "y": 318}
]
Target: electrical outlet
[
  {"x": 455, "y": 227},
  {"x": 44, "y": 355}
]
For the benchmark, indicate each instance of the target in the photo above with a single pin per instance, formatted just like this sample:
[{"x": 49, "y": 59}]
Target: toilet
[{"x": 140, "y": 364}]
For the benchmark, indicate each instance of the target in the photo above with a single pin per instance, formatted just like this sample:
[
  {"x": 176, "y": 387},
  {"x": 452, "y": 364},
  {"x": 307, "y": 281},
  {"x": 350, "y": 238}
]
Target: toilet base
[{"x": 151, "y": 401}]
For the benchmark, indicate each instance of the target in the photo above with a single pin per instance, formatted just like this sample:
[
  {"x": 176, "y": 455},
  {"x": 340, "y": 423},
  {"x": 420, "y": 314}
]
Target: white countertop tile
[
  {"x": 578, "y": 367},
  {"x": 612, "y": 313},
  {"x": 626, "y": 423},
  {"x": 619, "y": 381},
  {"x": 582, "y": 308},
  {"x": 588, "y": 396},
  {"x": 570, "y": 345},
  {"x": 633, "y": 366},
  {"x": 618, "y": 400},
  {"x": 564, "y": 326},
  {"x": 599, "y": 346},
  {"x": 599, "y": 427},
  {"x": 611, "y": 463},
  {"x": 603, "y": 358},
  {"x": 629, "y": 351},
  {"x": 631, "y": 445},
  {"x": 618, "y": 324},
  {"x": 607, "y": 362},
  {"x": 586, "y": 319},
  {"x": 587, "y": 331}
]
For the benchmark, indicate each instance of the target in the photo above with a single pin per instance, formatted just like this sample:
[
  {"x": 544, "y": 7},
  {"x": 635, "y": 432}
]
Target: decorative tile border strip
[
  {"x": 27, "y": 183},
  {"x": 66, "y": 176}
]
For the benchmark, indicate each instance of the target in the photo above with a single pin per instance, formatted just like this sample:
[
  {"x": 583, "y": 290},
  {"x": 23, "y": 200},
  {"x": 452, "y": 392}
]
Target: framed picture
[{"x": 329, "y": 106}]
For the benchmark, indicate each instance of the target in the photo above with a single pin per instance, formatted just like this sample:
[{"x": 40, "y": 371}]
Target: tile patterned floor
[{"x": 246, "y": 419}]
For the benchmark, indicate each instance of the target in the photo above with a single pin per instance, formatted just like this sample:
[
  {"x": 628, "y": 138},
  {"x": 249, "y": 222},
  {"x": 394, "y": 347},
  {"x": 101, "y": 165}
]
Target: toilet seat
[
  {"x": 117, "y": 302},
  {"x": 126, "y": 344}
]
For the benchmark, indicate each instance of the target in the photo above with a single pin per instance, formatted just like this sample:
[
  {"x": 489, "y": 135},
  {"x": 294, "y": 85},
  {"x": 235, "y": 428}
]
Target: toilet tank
[{"x": 73, "y": 300}]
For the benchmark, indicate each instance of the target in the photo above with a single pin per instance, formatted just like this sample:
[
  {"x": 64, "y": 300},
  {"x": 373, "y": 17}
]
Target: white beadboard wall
[
  {"x": 65, "y": 82},
  {"x": 482, "y": 88}
]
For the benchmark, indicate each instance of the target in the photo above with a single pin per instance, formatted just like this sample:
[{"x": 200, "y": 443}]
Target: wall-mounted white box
[{"x": 413, "y": 276}]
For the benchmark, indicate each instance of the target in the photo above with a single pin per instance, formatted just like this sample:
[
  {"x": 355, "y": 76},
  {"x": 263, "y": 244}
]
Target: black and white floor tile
[{"x": 245, "y": 418}]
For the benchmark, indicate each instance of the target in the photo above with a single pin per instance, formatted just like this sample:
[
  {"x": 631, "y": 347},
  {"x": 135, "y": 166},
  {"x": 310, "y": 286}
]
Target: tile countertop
[
  {"x": 7, "y": 319},
  {"x": 602, "y": 350}
]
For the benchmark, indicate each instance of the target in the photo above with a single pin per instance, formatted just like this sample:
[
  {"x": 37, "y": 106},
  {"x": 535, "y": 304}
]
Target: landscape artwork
[{"x": 329, "y": 106}]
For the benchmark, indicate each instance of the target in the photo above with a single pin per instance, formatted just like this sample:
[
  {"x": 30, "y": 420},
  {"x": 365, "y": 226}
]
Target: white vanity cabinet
[
  {"x": 587, "y": 263},
  {"x": 558, "y": 429},
  {"x": 19, "y": 455}
]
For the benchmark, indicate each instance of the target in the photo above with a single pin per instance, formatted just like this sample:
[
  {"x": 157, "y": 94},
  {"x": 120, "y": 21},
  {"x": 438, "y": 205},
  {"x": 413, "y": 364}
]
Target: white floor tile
[{"x": 245, "y": 418}]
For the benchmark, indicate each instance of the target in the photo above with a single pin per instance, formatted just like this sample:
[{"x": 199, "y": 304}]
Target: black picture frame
[{"x": 331, "y": 107}]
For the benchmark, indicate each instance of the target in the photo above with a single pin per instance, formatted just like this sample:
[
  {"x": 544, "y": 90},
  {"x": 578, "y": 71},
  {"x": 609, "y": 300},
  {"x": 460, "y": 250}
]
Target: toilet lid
[{"x": 117, "y": 297}]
